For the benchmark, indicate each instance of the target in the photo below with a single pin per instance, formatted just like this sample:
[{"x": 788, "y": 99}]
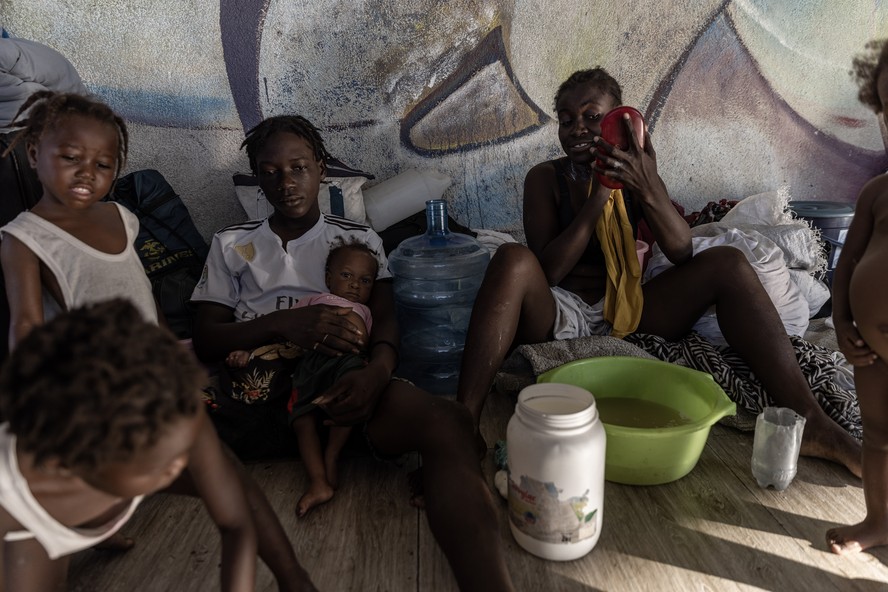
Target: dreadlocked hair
[
  {"x": 48, "y": 108},
  {"x": 294, "y": 124},
  {"x": 95, "y": 385},
  {"x": 342, "y": 245},
  {"x": 866, "y": 68},
  {"x": 598, "y": 77}
]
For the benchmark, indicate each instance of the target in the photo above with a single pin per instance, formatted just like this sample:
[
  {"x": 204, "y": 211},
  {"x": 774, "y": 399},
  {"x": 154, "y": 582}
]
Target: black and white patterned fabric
[{"x": 818, "y": 364}]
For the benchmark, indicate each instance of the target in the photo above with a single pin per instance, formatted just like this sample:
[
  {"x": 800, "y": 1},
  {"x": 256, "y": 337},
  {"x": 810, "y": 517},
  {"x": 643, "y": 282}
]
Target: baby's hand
[
  {"x": 856, "y": 351},
  {"x": 237, "y": 359}
]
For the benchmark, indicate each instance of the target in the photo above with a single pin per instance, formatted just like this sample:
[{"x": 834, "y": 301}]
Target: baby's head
[
  {"x": 351, "y": 271},
  {"x": 103, "y": 394},
  {"x": 47, "y": 112},
  {"x": 870, "y": 71},
  {"x": 596, "y": 77}
]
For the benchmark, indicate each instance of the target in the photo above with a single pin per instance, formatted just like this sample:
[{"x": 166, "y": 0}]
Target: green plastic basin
[{"x": 650, "y": 456}]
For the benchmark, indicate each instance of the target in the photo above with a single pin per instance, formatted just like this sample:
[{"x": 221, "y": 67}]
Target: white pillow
[
  {"x": 340, "y": 196},
  {"x": 405, "y": 194}
]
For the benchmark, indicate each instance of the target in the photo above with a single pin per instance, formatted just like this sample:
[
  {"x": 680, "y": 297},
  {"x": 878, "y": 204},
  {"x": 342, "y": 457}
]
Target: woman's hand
[
  {"x": 852, "y": 345},
  {"x": 597, "y": 195},
  {"x": 322, "y": 328},
  {"x": 353, "y": 398},
  {"x": 635, "y": 167}
]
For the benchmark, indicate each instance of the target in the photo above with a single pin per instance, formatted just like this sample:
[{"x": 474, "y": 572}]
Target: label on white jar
[{"x": 537, "y": 510}]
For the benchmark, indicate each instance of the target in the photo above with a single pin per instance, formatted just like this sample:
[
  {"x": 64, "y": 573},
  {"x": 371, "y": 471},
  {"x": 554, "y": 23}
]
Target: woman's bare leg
[
  {"x": 514, "y": 306},
  {"x": 722, "y": 276}
]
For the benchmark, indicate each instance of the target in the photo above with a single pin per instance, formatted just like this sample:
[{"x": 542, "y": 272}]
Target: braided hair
[
  {"x": 294, "y": 124},
  {"x": 48, "y": 108},
  {"x": 598, "y": 77},
  {"x": 866, "y": 68},
  {"x": 96, "y": 385}
]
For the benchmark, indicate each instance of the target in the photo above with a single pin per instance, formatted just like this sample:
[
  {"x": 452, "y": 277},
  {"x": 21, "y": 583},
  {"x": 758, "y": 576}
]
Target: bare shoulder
[
  {"x": 876, "y": 189},
  {"x": 13, "y": 246},
  {"x": 540, "y": 182},
  {"x": 544, "y": 171},
  {"x": 16, "y": 254}
]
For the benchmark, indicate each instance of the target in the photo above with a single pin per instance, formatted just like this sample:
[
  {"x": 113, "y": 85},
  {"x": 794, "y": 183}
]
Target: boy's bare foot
[
  {"x": 848, "y": 540},
  {"x": 318, "y": 493},
  {"x": 238, "y": 359},
  {"x": 116, "y": 543},
  {"x": 829, "y": 441}
]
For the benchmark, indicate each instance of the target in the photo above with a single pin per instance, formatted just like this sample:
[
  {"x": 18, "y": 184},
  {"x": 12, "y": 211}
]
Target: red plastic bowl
[{"x": 613, "y": 131}]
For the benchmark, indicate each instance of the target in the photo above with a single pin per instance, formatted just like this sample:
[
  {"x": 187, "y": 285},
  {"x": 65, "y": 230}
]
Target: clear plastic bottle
[
  {"x": 436, "y": 279},
  {"x": 556, "y": 449},
  {"x": 776, "y": 446}
]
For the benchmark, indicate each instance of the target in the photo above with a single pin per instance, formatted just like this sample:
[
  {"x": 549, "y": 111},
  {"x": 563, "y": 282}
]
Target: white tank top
[
  {"x": 86, "y": 275},
  {"x": 17, "y": 499}
]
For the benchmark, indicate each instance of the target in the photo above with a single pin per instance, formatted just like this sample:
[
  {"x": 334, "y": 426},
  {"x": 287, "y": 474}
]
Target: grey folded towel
[
  {"x": 528, "y": 361},
  {"x": 551, "y": 354}
]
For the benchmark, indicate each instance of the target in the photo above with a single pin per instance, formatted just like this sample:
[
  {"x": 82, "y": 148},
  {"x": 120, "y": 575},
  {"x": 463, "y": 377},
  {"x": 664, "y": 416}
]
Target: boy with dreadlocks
[
  {"x": 100, "y": 408},
  {"x": 257, "y": 270}
]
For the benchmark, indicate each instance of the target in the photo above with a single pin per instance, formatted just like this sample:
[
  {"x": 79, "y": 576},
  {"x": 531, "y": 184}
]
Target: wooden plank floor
[{"x": 712, "y": 530}]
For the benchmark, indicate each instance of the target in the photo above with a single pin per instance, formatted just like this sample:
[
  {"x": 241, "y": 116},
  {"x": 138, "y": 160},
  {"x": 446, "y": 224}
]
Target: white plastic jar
[{"x": 556, "y": 447}]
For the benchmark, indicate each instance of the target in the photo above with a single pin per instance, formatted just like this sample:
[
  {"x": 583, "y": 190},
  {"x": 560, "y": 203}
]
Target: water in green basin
[{"x": 638, "y": 413}]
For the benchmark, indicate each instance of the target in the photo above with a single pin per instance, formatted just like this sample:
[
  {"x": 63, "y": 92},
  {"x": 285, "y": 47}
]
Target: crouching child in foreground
[{"x": 100, "y": 408}]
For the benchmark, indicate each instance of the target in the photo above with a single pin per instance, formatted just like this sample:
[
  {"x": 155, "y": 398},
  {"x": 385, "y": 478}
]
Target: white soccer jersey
[{"x": 249, "y": 272}]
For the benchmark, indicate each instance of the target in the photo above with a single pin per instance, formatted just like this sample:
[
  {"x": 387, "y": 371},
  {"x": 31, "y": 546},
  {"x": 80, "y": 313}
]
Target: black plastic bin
[{"x": 833, "y": 219}]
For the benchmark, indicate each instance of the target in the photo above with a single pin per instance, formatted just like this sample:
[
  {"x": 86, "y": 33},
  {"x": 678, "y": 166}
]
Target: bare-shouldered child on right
[{"x": 860, "y": 313}]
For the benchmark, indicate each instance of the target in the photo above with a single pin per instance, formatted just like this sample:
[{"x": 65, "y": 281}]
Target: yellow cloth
[{"x": 623, "y": 300}]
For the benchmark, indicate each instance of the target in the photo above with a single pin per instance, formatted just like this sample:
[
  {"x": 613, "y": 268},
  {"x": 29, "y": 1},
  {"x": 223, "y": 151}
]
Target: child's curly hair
[
  {"x": 48, "y": 108},
  {"x": 598, "y": 77},
  {"x": 294, "y": 124},
  {"x": 866, "y": 68},
  {"x": 95, "y": 385},
  {"x": 341, "y": 246}
]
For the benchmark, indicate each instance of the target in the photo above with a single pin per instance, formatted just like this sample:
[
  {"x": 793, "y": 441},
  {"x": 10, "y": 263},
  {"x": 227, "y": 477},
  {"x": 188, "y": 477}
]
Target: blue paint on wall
[{"x": 165, "y": 110}]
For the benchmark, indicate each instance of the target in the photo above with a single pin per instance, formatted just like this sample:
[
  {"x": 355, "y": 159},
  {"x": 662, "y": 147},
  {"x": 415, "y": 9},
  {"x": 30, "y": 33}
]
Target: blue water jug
[{"x": 436, "y": 278}]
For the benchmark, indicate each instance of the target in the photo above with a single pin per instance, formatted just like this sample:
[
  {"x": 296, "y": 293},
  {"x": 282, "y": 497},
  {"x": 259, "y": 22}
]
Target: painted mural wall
[{"x": 741, "y": 96}]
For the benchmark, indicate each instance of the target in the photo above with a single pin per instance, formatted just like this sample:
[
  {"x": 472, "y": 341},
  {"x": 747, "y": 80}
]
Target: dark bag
[
  {"x": 171, "y": 249},
  {"x": 20, "y": 189}
]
